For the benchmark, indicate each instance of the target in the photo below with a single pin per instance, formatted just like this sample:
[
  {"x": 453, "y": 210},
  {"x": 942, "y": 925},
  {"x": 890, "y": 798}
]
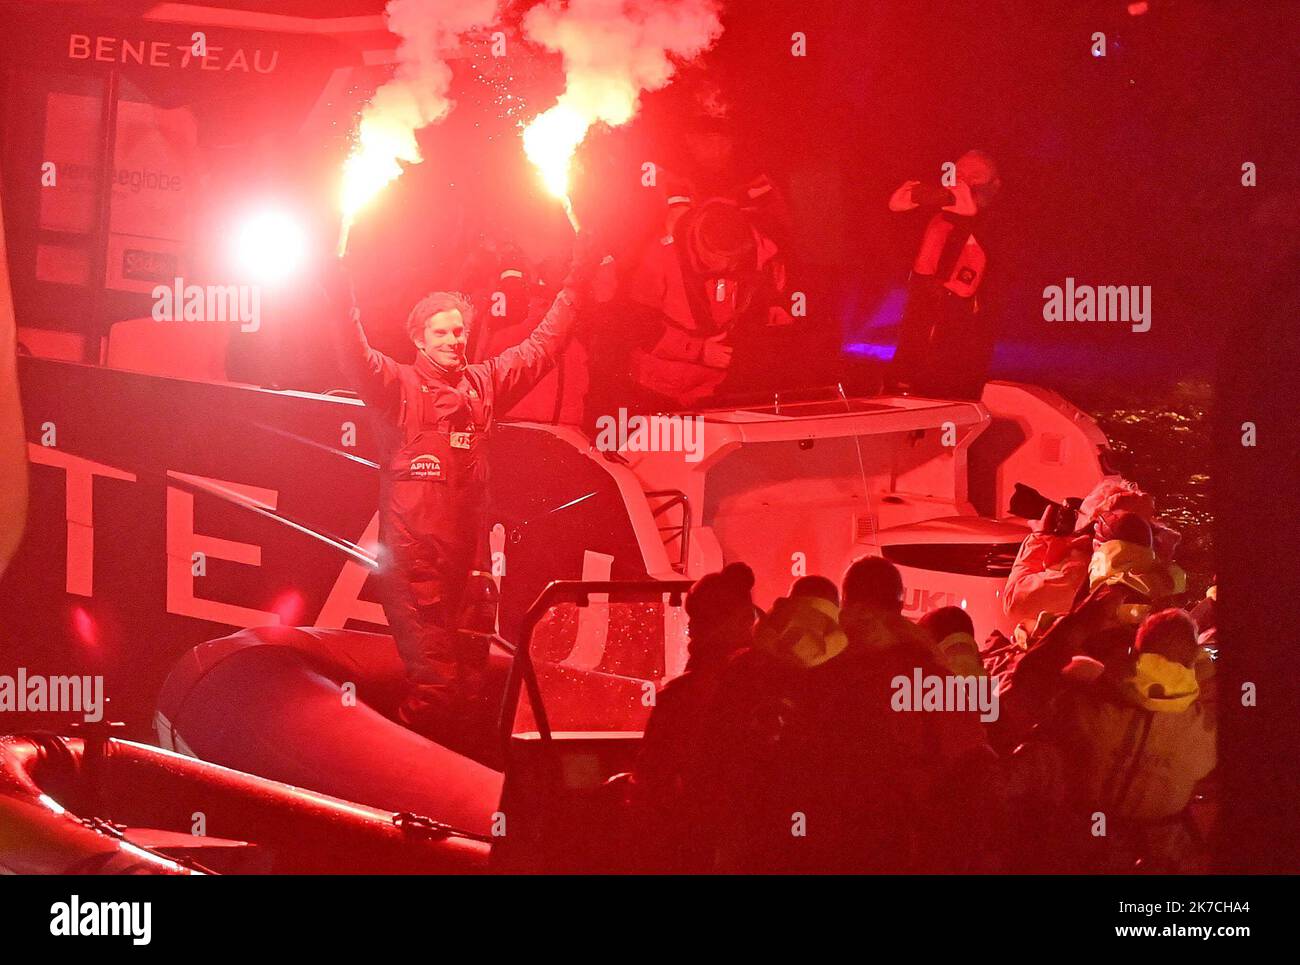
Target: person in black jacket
[{"x": 946, "y": 339}]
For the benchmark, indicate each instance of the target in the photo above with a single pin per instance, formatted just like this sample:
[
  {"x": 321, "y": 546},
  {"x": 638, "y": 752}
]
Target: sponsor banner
[
  {"x": 156, "y": 52},
  {"x": 154, "y": 181}
]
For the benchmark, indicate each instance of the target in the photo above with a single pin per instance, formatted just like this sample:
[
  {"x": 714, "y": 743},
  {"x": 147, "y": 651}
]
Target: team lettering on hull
[{"x": 344, "y": 602}]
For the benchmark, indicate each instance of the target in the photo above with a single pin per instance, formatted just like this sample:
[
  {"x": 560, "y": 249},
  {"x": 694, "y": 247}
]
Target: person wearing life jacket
[
  {"x": 1129, "y": 739},
  {"x": 1126, "y": 581},
  {"x": 946, "y": 340},
  {"x": 982, "y": 826},
  {"x": 1049, "y": 568},
  {"x": 770, "y": 735},
  {"x": 1124, "y": 554},
  {"x": 671, "y": 788},
  {"x": 953, "y": 633},
  {"x": 707, "y": 160},
  {"x": 899, "y": 779},
  {"x": 800, "y": 632},
  {"x": 1051, "y": 571},
  {"x": 435, "y": 418},
  {"x": 695, "y": 293},
  {"x": 872, "y": 611},
  {"x": 1052, "y": 564},
  {"x": 803, "y": 630}
]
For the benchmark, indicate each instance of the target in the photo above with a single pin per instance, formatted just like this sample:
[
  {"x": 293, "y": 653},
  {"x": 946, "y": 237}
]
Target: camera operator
[
  {"x": 1050, "y": 572},
  {"x": 946, "y": 337},
  {"x": 1049, "y": 569},
  {"x": 1126, "y": 580}
]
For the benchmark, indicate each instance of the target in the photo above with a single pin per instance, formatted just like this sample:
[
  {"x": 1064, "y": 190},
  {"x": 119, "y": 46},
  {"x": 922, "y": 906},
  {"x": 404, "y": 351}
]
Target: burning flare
[
  {"x": 613, "y": 51},
  {"x": 416, "y": 96},
  {"x": 366, "y": 172},
  {"x": 372, "y": 165},
  {"x": 550, "y": 142}
]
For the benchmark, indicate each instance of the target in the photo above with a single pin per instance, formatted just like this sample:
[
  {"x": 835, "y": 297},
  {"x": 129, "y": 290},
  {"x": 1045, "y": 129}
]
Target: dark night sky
[{"x": 1117, "y": 170}]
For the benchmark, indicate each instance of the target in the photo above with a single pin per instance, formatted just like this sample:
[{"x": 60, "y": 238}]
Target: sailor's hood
[
  {"x": 961, "y": 655},
  {"x": 1137, "y": 567},
  {"x": 802, "y": 630},
  {"x": 1159, "y": 684}
]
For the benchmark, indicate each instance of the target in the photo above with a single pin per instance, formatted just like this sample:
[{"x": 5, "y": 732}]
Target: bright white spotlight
[{"x": 270, "y": 246}]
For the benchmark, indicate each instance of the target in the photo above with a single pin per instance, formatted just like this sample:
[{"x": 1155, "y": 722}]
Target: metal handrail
[
  {"x": 523, "y": 674},
  {"x": 673, "y": 497}
]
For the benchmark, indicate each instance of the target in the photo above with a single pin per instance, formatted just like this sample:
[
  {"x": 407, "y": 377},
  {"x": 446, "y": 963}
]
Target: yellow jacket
[
  {"x": 960, "y": 654},
  {"x": 1137, "y": 567},
  {"x": 1135, "y": 743},
  {"x": 803, "y": 631}
]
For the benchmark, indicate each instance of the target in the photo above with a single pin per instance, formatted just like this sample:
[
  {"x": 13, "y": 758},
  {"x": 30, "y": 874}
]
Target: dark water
[{"x": 1161, "y": 436}]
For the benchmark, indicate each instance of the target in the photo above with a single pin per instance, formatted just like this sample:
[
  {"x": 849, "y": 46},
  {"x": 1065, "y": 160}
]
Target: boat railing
[{"x": 523, "y": 671}]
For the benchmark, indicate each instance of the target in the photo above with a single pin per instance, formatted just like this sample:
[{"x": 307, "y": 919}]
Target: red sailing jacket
[{"x": 434, "y": 427}]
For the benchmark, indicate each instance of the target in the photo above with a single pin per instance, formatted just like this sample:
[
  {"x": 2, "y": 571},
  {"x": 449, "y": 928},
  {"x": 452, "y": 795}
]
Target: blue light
[{"x": 870, "y": 350}]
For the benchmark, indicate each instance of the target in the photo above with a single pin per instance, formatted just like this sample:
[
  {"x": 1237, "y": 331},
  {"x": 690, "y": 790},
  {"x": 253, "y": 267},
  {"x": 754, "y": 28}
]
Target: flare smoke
[
  {"x": 613, "y": 50},
  {"x": 416, "y": 96}
]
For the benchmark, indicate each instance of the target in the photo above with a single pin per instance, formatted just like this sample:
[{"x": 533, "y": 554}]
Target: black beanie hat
[
  {"x": 714, "y": 596},
  {"x": 874, "y": 581}
]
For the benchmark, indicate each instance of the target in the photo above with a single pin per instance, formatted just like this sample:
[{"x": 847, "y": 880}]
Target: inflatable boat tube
[
  {"x": 38, "y": 835},
  {"x": 307, "y": 707},
  {"x": 94, "y": 806}
]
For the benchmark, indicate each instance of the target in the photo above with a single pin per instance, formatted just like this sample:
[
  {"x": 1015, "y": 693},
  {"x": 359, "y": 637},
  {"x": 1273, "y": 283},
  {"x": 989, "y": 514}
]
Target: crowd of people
[{"x": 783, "y": 748}]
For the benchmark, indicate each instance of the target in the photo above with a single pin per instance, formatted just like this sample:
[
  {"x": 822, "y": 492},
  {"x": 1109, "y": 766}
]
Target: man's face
[
  {"x": 982, "y": 177},
  {"x": 444, "y": 338}
]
